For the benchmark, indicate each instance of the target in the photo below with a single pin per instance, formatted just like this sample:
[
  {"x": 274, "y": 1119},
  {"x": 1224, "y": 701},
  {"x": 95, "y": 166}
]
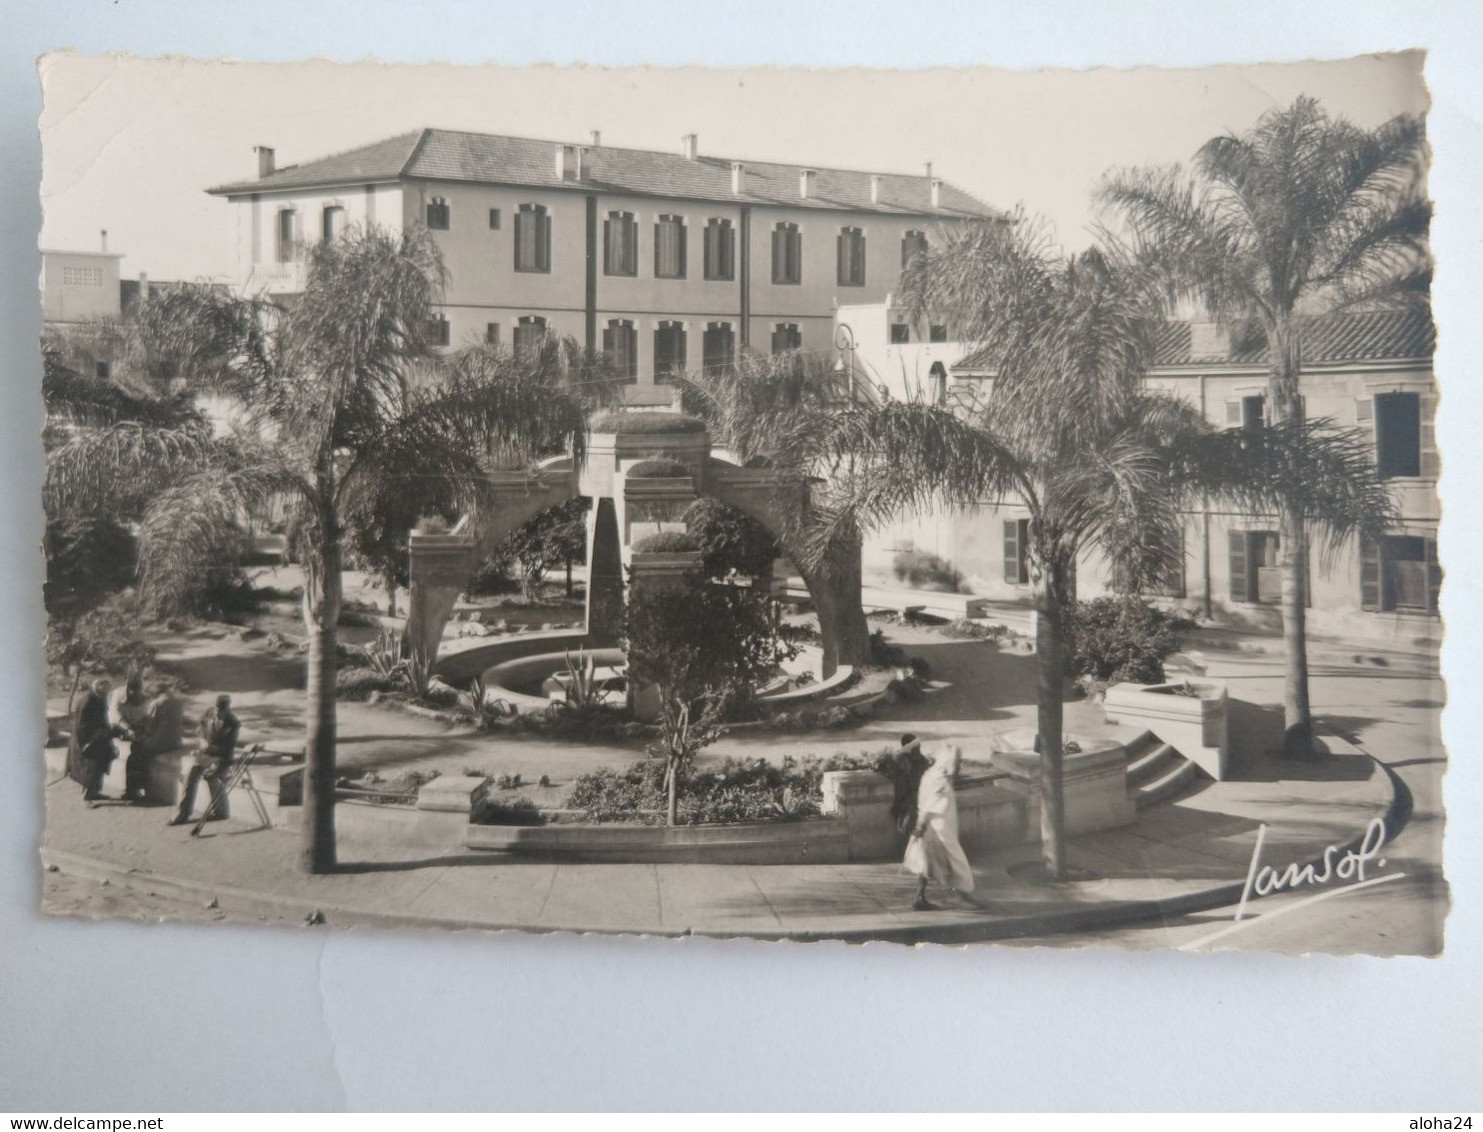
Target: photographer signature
[{"x": 1337, "y": 863}]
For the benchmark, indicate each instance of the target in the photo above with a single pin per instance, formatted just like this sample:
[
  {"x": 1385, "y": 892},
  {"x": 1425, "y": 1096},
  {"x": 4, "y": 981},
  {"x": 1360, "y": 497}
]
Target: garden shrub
[
  {"x": 658, "y": 468},
  {"x": 359, "y": 683},
  {"x": 1117, "y": 639},
  {"x": 508, "y": 811},
  {"x": 883, "y": 654},
  {"x": 925, "y": 571},
  {"x": 730, "y": 540},
  {"x": 735, "y": 790},
  {"x": 616, "y": 420},
  {"x": 666, "y": 542}
]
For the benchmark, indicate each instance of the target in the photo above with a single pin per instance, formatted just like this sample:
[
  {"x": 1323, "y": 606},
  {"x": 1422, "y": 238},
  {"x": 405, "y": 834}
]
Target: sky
[{"x": 131, "y": 144}]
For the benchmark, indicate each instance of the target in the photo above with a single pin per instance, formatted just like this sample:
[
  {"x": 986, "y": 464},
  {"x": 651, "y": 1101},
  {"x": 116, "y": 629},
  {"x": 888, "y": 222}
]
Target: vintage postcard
[{"x": 745, "y": 503}]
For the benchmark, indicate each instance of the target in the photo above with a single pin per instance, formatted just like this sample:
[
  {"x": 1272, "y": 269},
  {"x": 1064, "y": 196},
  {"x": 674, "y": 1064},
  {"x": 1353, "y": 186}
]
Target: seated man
[{"x": 219, "y": 732}]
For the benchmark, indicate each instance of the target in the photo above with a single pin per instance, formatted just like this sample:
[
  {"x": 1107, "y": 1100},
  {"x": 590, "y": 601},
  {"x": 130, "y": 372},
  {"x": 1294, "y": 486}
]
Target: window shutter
[
  {"x": 779, "y": 255},
  {"x": 1369, "y": 574},
  {"x": 1240, "y": 583},
  {"x": 1433, "y": 575},
  {"x": 1430, "y": 465},
  {"x": 607, "y": 345},
  {"x": 544, "y": 227},
  {"x": 1234, "y": 415},
  {"x": 842, "y": 258},
  {"x": 1012, "y": 551}
]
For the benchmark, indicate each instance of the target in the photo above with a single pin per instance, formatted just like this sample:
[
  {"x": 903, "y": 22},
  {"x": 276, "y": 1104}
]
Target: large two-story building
[
  {"x": 1370, "y": 370},
  {"x": 667, "y": 261}
]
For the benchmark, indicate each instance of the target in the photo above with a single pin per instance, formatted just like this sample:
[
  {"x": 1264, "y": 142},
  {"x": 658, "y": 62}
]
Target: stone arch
[{"x": 442, "y": 563}]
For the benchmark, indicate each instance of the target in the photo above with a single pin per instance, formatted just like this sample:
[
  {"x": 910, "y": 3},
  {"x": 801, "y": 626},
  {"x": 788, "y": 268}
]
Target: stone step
[
  {"x": 1158, "y": 759},
  {"x": 1168, "y": 785}
]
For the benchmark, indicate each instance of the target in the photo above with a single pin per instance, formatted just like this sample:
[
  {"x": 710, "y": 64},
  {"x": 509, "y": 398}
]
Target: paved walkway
[
  {"x": 1183, "y": 863},
  {"x": 1178, "y": 858}
]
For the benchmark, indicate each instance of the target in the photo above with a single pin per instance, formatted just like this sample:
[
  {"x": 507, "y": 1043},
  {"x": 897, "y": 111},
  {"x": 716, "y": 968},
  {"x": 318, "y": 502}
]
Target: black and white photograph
[{"x": 563, "y": 500}]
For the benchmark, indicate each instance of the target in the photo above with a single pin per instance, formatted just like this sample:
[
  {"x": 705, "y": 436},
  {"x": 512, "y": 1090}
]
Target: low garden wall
[
  {"x": 1196, "y": 726},
  {"x": 992, "y": 810},
  {"x": 1094, "y": 780},
  {"x": 816, "y": 841}
]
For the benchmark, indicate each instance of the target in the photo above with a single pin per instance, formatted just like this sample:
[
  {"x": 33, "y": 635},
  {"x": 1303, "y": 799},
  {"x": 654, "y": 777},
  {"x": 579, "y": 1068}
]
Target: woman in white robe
[{"x": 933, "y": 853}]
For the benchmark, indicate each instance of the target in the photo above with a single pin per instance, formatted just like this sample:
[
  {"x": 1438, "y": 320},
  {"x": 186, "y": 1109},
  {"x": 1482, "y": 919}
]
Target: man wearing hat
[{"x": 219, "y": 731}]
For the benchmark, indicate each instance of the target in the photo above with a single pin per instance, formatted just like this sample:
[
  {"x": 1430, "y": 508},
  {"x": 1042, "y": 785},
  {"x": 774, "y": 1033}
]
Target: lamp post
[{"x": 844, "y": 342}]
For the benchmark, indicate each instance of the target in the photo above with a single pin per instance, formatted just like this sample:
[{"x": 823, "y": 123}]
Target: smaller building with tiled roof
[{"x": 1363, "y": 370}]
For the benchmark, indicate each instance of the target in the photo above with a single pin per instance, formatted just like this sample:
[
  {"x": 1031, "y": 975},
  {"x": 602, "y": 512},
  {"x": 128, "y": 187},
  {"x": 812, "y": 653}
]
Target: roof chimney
[
  {"x": 690, "y": 146},
  {"x": 928, "y": 169},
  {"x": 936, "y": 194},
  {"x": 806, "y": 183},
  {"x": 875, "y": 189},
  {"x": 567, "y": 168},
  {"x": 264, "y": 160},
  {"x": 738, "y": 178},
  {"x": 596, "y": 138},
  {"x": 104, "y": 234}
]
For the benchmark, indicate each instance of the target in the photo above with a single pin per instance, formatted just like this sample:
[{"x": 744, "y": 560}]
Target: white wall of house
[{"x": 79, "y": 286}]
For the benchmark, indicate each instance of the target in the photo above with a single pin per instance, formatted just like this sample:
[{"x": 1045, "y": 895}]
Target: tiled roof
[
  {"x": 1361, "y": 336},
  {"x": 450, "y": 155}
]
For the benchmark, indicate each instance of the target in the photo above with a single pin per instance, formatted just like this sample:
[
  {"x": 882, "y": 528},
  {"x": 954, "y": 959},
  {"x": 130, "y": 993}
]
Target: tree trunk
[
  {"x": 672, "y": 792},
  {"x": 568, "y": 576},
  {"x": 1049, "y": 715},
  {"x": 1297, "y": 713},
  {"x": 322, "y": 599},
  {"x": 390, "y": 596}
]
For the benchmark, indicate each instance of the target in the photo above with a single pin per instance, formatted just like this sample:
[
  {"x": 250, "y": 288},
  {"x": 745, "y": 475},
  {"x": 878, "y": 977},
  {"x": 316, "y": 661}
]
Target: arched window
[
  {"x": 438, "y": 214},
  {"x": 331, "y": 223},
  {"x": 288, "y": 235},
  {"x": 718, "y": 346},
  {"x": 785, "y": 337},
  {"x": 720, "y": 249},
  {"x": 669, "y": 247},
  {"x": 620, "y": 342},
  {"x": 851, "y": 257},
  {"x": 913, "y": 244},
  {"x": 528, "y": 333},
  {"x": 787, "y": 253},
  {"x": 620, "y": 250},
  {"x": 669, "y": 351},
  {"x": 939, "y": 383},
  {"x": 532, "y": 238}
]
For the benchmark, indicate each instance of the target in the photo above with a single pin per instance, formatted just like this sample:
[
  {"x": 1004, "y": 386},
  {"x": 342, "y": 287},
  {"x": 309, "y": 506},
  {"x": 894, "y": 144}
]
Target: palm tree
[
  {"x": 763, "y": 410},
  {"x": 1069, "y": 432},
  {"x": 1302, "y": 217},
  {"x": 340, "y": 398}
]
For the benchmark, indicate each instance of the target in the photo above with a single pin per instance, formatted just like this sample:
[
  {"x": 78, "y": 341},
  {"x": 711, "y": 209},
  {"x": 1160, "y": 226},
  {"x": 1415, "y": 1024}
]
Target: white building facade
[{"x": 665, "y": 261}]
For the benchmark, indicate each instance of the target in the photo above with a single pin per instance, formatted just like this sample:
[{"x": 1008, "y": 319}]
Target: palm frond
[
  {"x": 191, "y": 522},
  {"x": 117, "y": 467}
]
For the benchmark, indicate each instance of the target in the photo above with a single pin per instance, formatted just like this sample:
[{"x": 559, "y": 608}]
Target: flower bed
[{"x": 736, "y": 790}]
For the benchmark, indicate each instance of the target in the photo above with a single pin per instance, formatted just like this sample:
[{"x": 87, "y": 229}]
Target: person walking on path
[
  {"x": 91, "y": 750},
  {"x": 219, "y": 731},
  {"x": 933, "y": 853},
  {"x": 907, "y": 768}
]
